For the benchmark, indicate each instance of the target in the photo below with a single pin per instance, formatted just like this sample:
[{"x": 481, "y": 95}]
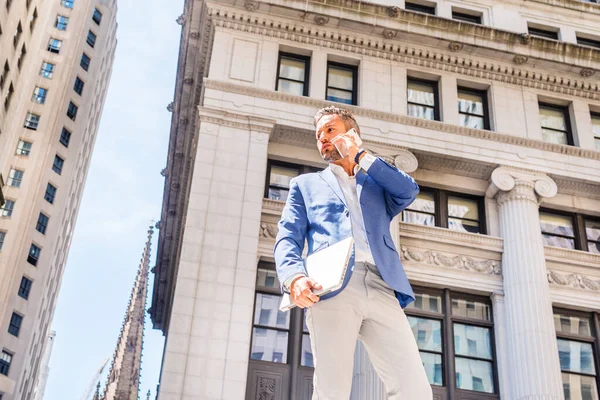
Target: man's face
[{"x": 328, "y": 127}]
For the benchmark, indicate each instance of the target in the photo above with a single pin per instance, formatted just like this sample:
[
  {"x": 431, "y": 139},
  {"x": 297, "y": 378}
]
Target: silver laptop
[{"x": 328, "y": 267}]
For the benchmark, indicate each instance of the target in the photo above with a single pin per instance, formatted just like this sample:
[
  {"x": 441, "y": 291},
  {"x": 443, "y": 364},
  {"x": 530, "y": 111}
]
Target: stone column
[
  {"x": 501, "y": 345},
  {"x": 530, "y": 340},
  {"x": 366, "y": 383},
  {"x": 208, "y": 342}
]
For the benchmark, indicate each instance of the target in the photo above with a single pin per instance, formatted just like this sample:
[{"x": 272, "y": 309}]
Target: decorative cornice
[
  {"x": 461, "y": 262},
  {"x": 273, "y": 206},
  {"x": 578, "y": 5},
  {"x": 363, "y": 44},
  {"x": 444, "y": 235},
  {"x": 239, "y": 121},
  {"x": 406, "y": 120},
  {"x": 574, "y": 257},
  {"x": 577, "y": 188},
  {"x": 577, "y": 281}
]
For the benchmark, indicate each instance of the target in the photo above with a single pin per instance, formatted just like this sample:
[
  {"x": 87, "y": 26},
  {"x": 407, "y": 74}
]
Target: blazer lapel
[{"x": 328, "y": 176}]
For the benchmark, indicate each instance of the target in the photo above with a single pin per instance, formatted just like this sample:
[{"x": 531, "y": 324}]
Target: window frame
[
  {"x": 25, "y": 287},
  {"x": 436, "y": 95},
  {"x": 593, "y": 43},
  {"x": 33, "y": 123},
  {"x": 440, "y": 197},
  {"x": 72, "y": 110},
  {"x": 12, "y": 179},
  {"x": 14, "y": 325},
  {"x": 50, "y": 195},
  {"x": 354, "y": 70},
  {"x": 422, "y": 8},
  {"x": 65, "y": 137},
  {"x": 2, "y": 239},
  {"x": 6, "y": 212},
  {"x": 55, "y": 166},
  {"x": 566, "y": 113},
  {"x": 61, "y": 22},
  {"x": 42, "y": 223},
  {"x": 579, "y": 232},
  {"x": 51, "y": 45},
  {"x": 462, "y": 16},
  {"x": 544, "y": 33},
  {"x": 596, "y": 136},
  {"x": 66, "y": 3},
  {"x": 594, "y": 340},
  {"x": 30, "y": 257},
  {"x": 78, "y": 85},
  {"x": 4, "y": 365},
  {"x": 298, "y": 57},
  {"x": 88, "y": 60},
  {"x": 37, "y": 98},
  {"x": 44, "y": 72},
  {"x": 303, "y": 168},
  {"x": 484, "y": 100},
  {"x": 92, "y": 43},
  {"x": 95, "y": 17},
  {"x": 23, "y": 149},
  {"x": 448, "y": 320}
]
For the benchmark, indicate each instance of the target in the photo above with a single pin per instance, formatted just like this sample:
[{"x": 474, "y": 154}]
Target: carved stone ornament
[
  {"x": 393, "y": 11},
  {"x": 577, "y": 281},
  {"x": 455, "y": 46},
  {"x": 406, "y": 161},
  {"x": 587, "y": 72},
  {"x": 251, "y": 5},
  {"x": 164, "y": 172},
  {"x": 266, "y": 388},
  {"x": 188, "y": 81},
  {"x": 321, "y": 19},
  {"x": 520, "y": 60},
  {"x": 465, "y": 263},
  {"x": 180, "y": 20},
  {"x": 389, "y": 33},
  {"x": 195, "y": 35},
  {"x": 267, "y": 230},
  {"x": 170, "y": 107},
  {"x": 524, "y": 38},
  {"x": 519, "y": 184}
]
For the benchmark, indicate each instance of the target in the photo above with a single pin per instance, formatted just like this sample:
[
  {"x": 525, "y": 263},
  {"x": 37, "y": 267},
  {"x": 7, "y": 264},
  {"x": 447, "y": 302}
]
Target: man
[{"x": 358, "y": 195}]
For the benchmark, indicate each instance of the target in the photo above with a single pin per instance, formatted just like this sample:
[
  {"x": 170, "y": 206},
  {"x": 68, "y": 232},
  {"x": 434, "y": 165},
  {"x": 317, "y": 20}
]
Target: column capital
[
  {"x": 406, "y": 161},
  {"x": 508, "y": 183}
]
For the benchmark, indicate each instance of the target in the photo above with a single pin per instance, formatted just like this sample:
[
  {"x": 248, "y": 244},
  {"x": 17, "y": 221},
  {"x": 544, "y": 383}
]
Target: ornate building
[
  {"x": 124, "y": 376},
  {"x": 493, "y": 107},
  {"x": 56, "y": 60}
]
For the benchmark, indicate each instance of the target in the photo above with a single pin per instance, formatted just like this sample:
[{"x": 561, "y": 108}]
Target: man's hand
[{"x": 301, "y": 291}]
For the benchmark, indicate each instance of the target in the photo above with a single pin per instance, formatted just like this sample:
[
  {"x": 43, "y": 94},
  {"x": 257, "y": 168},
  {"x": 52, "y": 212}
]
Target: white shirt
[{"x": 362, "y": 251}]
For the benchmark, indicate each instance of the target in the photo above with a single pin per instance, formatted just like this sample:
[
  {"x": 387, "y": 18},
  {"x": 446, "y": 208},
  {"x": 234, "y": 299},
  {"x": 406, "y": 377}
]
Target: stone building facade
[
  {"x": 56, "y": 60},
  {"x": 493, "y": 107}
]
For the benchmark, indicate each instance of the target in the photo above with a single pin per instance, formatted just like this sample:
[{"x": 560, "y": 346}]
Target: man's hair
[{"x": 344, "y": 114}]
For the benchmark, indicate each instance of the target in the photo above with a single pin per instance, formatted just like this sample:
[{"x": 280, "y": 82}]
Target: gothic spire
[{"x": 123, "y": 379}]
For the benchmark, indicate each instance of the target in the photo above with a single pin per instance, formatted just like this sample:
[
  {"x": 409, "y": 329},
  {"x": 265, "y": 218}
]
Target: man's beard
[{"x": 332, "y": 156}]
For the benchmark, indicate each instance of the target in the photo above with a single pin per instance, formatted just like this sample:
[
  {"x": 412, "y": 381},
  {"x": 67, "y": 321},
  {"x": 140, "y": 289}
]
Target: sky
[{"x": 123, "y": 194}]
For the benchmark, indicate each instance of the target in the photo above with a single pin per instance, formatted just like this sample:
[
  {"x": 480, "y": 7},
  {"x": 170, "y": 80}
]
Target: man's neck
[{"x": 347, "y": 164}]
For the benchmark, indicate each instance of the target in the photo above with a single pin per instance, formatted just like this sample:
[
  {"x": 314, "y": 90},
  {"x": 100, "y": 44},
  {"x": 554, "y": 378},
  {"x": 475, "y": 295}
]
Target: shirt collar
[{"x": 340, "y": 172}]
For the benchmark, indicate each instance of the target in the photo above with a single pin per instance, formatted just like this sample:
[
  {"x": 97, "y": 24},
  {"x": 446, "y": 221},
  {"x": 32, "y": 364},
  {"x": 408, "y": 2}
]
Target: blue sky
[{"x": 123, "y": 194}]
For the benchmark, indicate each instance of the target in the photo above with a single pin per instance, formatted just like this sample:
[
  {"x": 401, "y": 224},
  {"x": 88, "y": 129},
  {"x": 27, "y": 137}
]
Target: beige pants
[{"x": 367, "y": 310}]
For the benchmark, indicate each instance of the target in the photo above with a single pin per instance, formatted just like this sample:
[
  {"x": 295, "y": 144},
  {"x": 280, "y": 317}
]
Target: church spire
[{"x": 123, "y": 378}]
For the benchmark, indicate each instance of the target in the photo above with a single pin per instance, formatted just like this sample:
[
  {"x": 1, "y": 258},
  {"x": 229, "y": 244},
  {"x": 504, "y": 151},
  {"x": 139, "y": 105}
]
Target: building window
[
  {"x": 39, "y": 95},
  {"x": 97, "y": 17},
  {"x": 34, "y": 254},
  {"x": 547, "y": 33},
  {"x": 2, "y": 239},
  {"x": 22, "y": 55},
  {"x": 33, "y": 19},
  {"x": 279, "y": 175},
  {"x": 91, "y": 39},
  {"x": 78, "y": 87},
  {"x": 473, "y": 109},
  {"x": 556, "y": 126},
  {"x": 32, "y": 121},
  {"x": 596, "y": 129},
  {"x": 458, "y": 212},
  {"x": 5, "y": 360},
  {"x": 342, "y": 82},
  {"x": 72, "y": 111},
  {"x": 9, "y": 95},
  {"x": 61, "y": 23},
  {"x": 25, "y": 287},
  {"x": 423, "y": 99},
  {"x": 58, "y": 164},
  {"x": 576, "y": 339},
  {"x": 422, "y": 8},
  {"x": 274, "y": 331},
  {"x": 17, "y": 35},
  {"x": 15, "y": 324},
  {"x": 454, "y": 333},
  {"x": 4, "y": 75},
  {"x": 85, "y": 62},
  {"x": 583, "y": 41},
  {"x": 570, "y": 231},
  {"x": 67, "y": 3},
  {"x": 65, "y": 137},
  {"x": 7, "y": 209},
  {"x": 42, "y": 223},
  {"x": 24, "y": 148},
  {"x": 15, "y": 177},
  {"x": 54, "y": 45},
  {"x": 293, "y": 74},
  {"x": 47, "y": 70},
  {"x": 50, "y": 193},
  {"x": 474, "y": 18}
]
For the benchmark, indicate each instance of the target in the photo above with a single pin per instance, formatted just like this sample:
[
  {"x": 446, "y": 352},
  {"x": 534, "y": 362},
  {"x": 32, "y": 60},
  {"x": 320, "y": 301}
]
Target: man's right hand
[{"x": 301, "y": 291}]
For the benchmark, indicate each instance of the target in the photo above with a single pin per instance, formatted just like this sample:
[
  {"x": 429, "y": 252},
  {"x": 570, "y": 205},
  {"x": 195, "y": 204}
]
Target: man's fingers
[{"x": 314, "y": 284}]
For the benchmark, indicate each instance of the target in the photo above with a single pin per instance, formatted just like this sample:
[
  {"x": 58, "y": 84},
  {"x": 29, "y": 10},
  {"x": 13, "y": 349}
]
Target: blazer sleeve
[
  {"x": 289, "y": 243},
  {"x": 399, "y": 187}
]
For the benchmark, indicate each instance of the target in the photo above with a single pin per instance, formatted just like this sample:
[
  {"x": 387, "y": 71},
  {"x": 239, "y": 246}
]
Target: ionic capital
[
  {"x": 510, "y": 184},
  {"x": 406, "y": 161}
]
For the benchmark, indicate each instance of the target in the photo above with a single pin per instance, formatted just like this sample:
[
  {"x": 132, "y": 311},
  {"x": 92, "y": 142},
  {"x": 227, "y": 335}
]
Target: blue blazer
[{"x": 316, "y": 211}]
